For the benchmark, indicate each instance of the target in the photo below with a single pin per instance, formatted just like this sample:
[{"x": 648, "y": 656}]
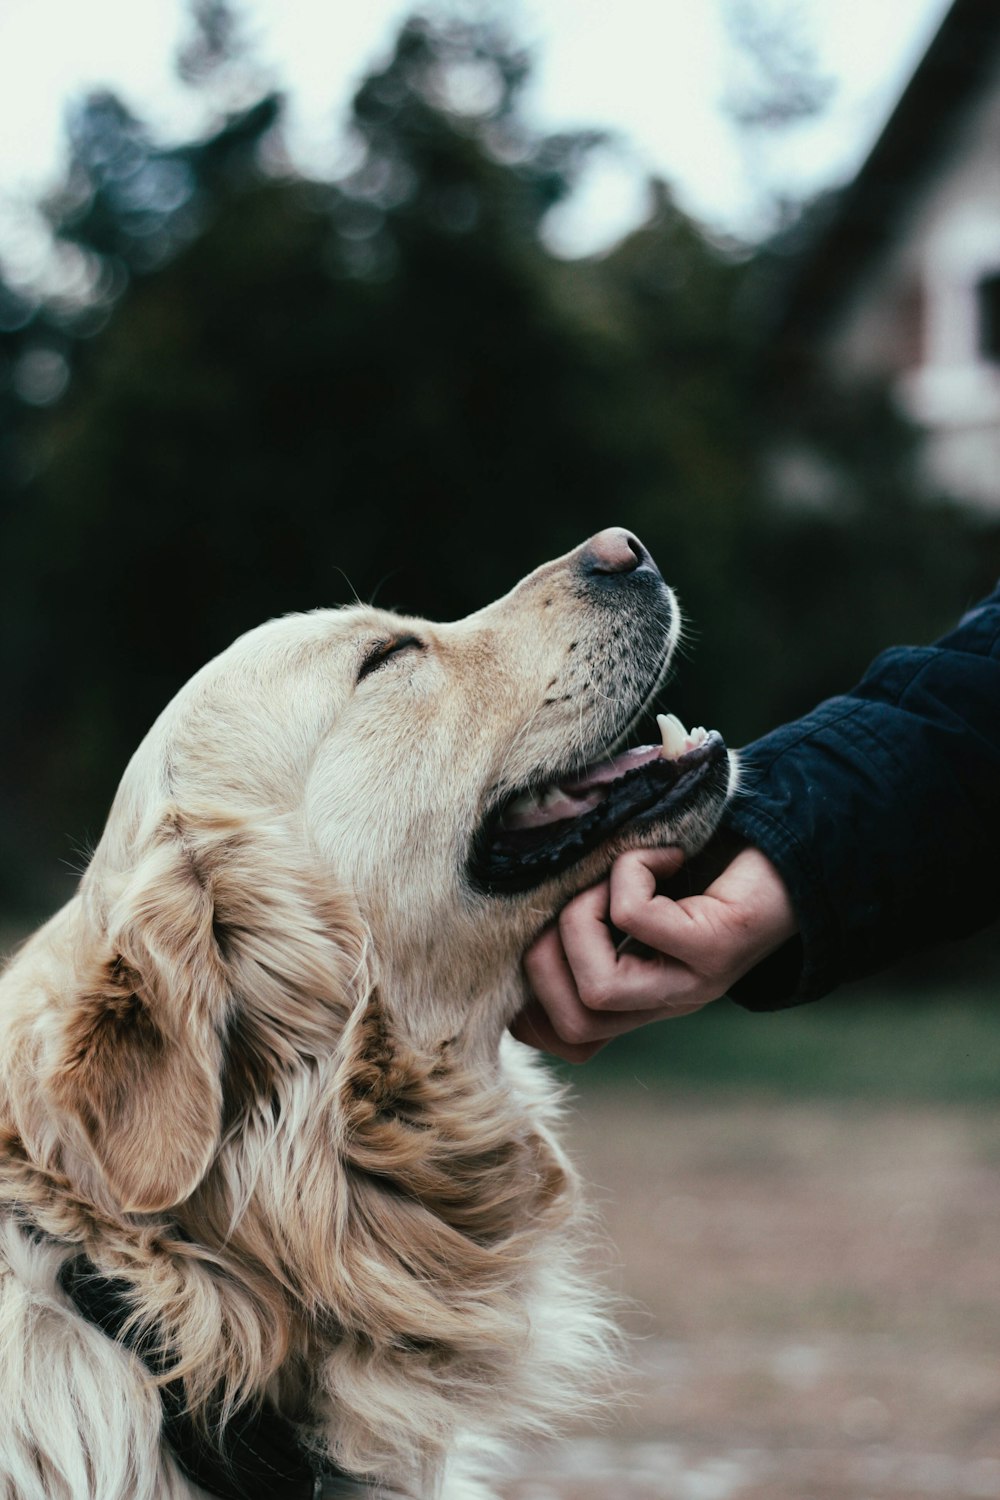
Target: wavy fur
[{"x": 257, "y": 1068}]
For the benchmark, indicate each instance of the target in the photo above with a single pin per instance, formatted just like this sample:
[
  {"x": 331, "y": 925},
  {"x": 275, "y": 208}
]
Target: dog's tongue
[
  {"x": 610, "y": 770},
  {"x": 573, "y": 797}
]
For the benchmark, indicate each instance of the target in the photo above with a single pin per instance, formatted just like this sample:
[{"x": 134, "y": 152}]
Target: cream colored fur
[{"x": 257, "y": 1068}]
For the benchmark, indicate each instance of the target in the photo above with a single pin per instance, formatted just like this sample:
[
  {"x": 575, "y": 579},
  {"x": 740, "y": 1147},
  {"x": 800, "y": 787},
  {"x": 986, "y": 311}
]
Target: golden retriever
[{"x": 255, "y": 1083}]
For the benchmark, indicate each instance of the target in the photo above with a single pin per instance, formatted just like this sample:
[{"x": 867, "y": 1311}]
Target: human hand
[{"x": 586, "y": 990}]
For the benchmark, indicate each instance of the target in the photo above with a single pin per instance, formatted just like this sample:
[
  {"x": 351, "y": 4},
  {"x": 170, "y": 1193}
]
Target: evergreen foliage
[{"x": 284, "y": 391}]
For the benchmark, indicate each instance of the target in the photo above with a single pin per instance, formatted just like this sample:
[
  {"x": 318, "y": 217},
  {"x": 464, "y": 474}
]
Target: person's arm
[
  {"x": 880, "y": 811},
  {"x": 872, "y": 826}
]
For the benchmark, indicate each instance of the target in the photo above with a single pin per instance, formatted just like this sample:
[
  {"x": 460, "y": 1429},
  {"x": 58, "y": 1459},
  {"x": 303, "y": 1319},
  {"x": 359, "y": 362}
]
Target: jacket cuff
[{"x": 793, "y": 805}]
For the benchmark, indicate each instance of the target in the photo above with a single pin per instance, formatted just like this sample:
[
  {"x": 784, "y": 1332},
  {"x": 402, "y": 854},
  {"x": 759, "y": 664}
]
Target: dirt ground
[{"x": 815, "y": 1304}]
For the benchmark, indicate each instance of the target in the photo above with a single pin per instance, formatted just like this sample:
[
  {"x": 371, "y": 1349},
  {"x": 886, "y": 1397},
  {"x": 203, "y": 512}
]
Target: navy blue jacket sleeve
[{"x": 881, "y": 810}]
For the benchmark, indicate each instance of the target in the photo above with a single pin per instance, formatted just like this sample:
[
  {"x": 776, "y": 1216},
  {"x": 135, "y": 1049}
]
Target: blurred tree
[
  {"x": 389, "y": 375},
  {"x": 373, "y": 375},
  {"x": 775, "y": 86},
  {"x": 134, "y": 204},
  {"x": 778, "y": 81},
  {"x": 216, "y": 54}
]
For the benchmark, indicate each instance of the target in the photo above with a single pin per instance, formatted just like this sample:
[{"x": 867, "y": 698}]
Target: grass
[{"x": 930, "y": 1046}]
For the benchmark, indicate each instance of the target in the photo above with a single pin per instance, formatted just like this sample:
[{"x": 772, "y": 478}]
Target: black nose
[{"x": 614, "y": 551}]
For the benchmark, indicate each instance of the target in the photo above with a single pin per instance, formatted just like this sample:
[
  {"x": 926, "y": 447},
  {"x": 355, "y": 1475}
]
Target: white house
[{"x": 903, "y": 282}]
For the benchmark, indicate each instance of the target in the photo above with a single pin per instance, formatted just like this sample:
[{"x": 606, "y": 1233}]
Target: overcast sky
[{"x": 654, "y": 70}]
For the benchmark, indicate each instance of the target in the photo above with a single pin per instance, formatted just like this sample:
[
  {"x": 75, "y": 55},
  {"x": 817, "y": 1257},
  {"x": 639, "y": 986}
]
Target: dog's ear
[
  {"x": 218, "y": 967},
  {"x": 139, "y": 1065}
]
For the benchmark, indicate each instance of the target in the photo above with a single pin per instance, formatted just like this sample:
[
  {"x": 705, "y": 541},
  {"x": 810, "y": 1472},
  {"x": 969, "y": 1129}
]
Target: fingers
[
  {"x": 551, "y": 979},
  {"x": 716, "y": 936},
  {"x": 586, "y": 992},
  {"x": 560, "y": 1019},
  {"x": 677, "y": 928},
  {"x": 533, "y": 1027},
  {"x": 604, "y": 978},
  {"x": 663, "y": 864},
  {"x": 588, "y": 988}
]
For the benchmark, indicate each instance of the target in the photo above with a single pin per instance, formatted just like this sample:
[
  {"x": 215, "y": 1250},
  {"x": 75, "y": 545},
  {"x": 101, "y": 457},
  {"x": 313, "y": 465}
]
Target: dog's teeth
[
  {"x": 526, "y": 803},
  {"x": 553, "y": 795},
  {"x": 698, "y": 736},
  {"x": 673, "y": 734}
]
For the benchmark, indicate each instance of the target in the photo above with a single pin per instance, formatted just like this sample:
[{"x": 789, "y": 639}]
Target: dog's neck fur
[
  {"x": 382, "y": 1305},
  {"x": 383, "y": 1237}
]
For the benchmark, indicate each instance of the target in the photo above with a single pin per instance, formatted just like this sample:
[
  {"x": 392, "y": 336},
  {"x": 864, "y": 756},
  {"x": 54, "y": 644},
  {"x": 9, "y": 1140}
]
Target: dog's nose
[{"x": 614, "y": 551}]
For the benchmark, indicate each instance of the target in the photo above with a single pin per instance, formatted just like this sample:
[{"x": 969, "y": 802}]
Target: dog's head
[
  {"x": 466, "y": 787},
  {"x": 352, "y": 798}
]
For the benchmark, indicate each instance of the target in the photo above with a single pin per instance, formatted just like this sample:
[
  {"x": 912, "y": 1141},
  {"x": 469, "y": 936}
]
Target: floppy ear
[
  {"x": 224, "y": 963},
  {"x": 140, "y": 1061}
]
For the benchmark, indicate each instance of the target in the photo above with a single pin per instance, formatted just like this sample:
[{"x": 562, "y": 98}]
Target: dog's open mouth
[{"x": 540, "y": 832}]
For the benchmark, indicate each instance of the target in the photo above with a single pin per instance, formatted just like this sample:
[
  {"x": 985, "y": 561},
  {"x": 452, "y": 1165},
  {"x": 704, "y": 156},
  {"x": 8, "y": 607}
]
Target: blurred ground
[
  {"x": 802, "y": 1211},
  {"x": 816, "y": 1291}
]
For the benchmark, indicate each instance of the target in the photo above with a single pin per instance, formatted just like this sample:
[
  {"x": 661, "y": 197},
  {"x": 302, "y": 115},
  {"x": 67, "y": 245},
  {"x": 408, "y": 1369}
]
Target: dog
[{"x": 270, "y": 1163}]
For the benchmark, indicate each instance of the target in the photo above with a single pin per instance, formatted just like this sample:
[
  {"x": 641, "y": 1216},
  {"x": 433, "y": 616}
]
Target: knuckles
[
  {"x": 627, "y": 906},
  {"x": 598, "y": 994},
  {"x": 573, "y": 1030}
]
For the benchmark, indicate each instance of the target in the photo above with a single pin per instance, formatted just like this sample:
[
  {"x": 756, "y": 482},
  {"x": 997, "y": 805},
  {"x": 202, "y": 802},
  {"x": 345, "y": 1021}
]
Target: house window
[{"x": 989, "y": 317}]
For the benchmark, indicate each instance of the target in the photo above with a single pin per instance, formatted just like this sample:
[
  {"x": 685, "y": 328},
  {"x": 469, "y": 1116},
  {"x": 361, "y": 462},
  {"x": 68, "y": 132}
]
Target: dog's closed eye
[{"x": 383, "y": 651}]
